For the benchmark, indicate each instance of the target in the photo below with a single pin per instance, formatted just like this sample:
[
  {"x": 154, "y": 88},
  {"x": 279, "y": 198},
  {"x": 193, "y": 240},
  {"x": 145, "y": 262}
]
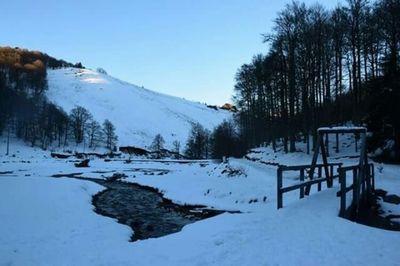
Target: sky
[{"x": 190, "y": 49}]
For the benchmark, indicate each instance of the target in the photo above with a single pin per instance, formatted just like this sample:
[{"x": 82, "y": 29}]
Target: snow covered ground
[
  {"x": 47, "y": 221},
  {"x": 137, "y": 113}
]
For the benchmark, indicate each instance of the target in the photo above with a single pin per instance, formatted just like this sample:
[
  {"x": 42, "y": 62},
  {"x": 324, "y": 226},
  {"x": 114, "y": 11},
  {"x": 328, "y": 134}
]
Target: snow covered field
[
  {"x": 137, "y": 113},
  {"x": 48, "y": 221}
]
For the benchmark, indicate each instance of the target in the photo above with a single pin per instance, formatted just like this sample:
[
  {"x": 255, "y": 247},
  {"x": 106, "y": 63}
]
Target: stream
[{"x": 143, "y": 208}]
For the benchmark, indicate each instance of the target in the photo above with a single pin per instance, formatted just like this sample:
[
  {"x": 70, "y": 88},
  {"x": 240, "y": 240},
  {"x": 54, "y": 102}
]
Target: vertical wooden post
[
  {"x": 313, "y": 163},
  {"x": 302, "y": 180},
  {"x": 279, "y": 186},
  {"x": 362, "y": 164},
  {"x": 8, "y": 139},
  {"x": 355, "y": 190},
  {"x": 355, "y": 140},
  {"x": 363, "y": 180},
  {"x": 327, "y": 144},
  {"x": 342, "y": 181},
  {"x": 319, "y": 176},
  {"x": 337, "y": 142},
  {"x": 325, "y": 162},
  {"x": 373, "y": 176},
  {"x": 368, "y": 181}
]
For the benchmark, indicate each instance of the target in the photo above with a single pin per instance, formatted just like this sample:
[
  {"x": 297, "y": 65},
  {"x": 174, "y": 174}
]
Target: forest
[
  {"x": 324, "y": 67},
  {"x": 26, "y": 113}
]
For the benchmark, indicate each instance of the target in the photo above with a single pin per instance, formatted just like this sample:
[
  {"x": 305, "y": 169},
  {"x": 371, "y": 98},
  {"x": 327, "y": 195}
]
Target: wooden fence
[
  {"x": 304, "y": 171},
  {"x": 363, "y": 185}
]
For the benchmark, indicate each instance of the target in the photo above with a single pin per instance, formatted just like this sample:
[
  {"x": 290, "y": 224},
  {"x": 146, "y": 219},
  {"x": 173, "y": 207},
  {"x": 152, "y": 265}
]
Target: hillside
[{"x": 138, "y": 113}]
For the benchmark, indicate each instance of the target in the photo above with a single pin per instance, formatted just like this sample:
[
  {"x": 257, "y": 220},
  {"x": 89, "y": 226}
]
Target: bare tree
[
  {"x": 94, "y": 133},
  {"x": 109, "y": 133},
  {"x": 79, "y": 118},
  {"x": 197, "y": 146},
  {"x": 177, "y": 146},
  {"x": 158, "y": 143}
]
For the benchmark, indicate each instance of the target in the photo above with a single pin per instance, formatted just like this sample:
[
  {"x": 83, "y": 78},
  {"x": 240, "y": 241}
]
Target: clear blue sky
[{"x": 189, "y": 49}]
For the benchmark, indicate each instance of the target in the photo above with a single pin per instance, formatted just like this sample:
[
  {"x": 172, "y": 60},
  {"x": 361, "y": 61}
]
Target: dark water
[
  {"x": 143, "y": 208},
  {"x": 372, "y": 214}
]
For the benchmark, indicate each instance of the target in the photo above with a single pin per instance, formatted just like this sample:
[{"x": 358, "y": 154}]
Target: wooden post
[
  {"x": 327, "y": 144},
  {"x": 342, "y": 181},
  {"x": 319, "y": 176},
  {"x": 325, "y": 162},
  {"x": 337, "y": 142},
  {"x": 355, "y": 191},
  {"x": 279, "y": 186},
  {"x": 373, "y": 176},
  {"x": 355, "y": 140},
  {"x": 313, "y": 163},
  {"x": 302, "y": 180},
  {"x": 368, "y": 181},
  {"x": 363, "y": 181},
  {"x": 362, "y": 163},
  {"x": 8, "y": 140}
]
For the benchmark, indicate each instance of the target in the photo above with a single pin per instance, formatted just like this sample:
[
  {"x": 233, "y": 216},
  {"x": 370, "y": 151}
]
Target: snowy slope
[{"x": 138, "y": 114}]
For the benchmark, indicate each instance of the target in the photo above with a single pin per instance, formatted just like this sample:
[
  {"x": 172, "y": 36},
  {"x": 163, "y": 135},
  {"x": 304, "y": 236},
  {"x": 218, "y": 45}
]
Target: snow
[
  {"x": 339, "y": 129},
  {"x": 137, "y": 113},
  {"x": 48, "y": 221},
  {"x": 43, "y": 220}
]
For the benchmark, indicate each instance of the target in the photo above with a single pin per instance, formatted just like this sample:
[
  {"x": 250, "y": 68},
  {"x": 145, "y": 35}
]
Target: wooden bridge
[{"x": 362, "y": 183}]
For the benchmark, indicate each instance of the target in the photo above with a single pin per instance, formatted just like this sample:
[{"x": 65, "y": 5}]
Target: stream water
[{"x": 143, "y": 208}]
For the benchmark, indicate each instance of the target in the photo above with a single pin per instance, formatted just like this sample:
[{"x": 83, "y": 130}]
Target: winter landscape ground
[{"x": 51, "y": 221}]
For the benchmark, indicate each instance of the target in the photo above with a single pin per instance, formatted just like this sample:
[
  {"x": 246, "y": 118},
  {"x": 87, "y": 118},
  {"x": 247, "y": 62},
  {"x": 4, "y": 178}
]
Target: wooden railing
[
  {"x": 363, "y": 185},
  {"x": 304, "y": 174}
]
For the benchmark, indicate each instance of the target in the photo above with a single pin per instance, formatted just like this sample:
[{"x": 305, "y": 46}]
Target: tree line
[
  {"x": 202, "y": 143},
  {"x": 323, "y": 67},
  {"x": 26, "y": 112}
]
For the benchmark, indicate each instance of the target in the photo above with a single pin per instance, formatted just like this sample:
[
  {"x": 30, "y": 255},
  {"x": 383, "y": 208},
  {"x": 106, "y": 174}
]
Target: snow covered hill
[{"x": 138, "y": 114}]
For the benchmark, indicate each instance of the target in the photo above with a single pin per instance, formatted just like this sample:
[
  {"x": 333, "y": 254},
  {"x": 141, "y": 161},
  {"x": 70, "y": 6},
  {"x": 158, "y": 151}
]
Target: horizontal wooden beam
[
  {"x": 349, "y": 168},
  {"x": 303, "y": 184},
  {"x": 331, "y": 130},
  {"x": 352, "y": 167},
  {"x": 301, "y": 167},
  {"x": 349, "y": 188}
]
